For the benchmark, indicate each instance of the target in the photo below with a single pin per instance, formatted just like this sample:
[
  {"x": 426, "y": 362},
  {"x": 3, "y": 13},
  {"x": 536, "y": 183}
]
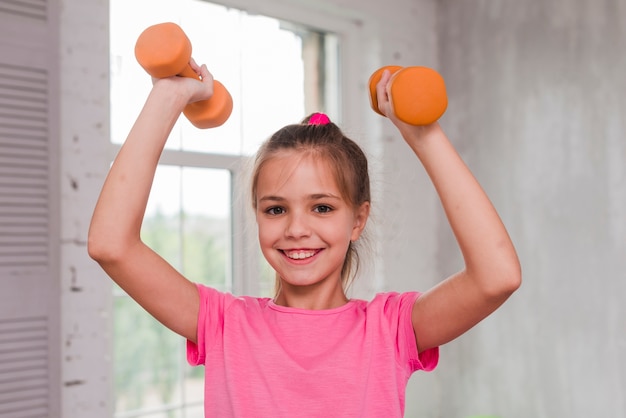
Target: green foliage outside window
[{"x": 151, "y": 370}]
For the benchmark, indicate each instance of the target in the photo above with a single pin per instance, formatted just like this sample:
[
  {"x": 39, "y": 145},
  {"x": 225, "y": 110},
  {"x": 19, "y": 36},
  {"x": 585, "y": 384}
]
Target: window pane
[
  {"x": 162, "y": 222},
  {"x": 205, "y": 213},
  {"x": 188, "y": 222},
  {"x": 193, "y": 388},
  {"x": 147, "y": 359},
  {"x": 194, "y": 412},
  {"x": 268, "y": 66}
]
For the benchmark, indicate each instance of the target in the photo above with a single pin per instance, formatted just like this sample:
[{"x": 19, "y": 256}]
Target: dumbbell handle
[
  {"x": 163, "y": 50},
  {"x": 188, "y": 72}
]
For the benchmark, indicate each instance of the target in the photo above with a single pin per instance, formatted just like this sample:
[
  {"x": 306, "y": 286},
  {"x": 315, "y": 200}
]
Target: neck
[{"x": 310, "y": 298}]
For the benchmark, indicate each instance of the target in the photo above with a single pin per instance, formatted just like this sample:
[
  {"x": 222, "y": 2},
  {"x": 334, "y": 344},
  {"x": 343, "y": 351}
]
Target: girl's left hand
[{"x": 385, "y": 105}]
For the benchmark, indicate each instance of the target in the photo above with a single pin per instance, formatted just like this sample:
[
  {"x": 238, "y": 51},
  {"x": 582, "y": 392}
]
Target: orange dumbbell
[
  {"x": 163, "y": 50},
  {"x": 417, "y": 94}
]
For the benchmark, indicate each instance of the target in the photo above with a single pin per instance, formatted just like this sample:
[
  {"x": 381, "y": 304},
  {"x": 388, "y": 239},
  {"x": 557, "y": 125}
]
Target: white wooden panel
[
  {"x": 34, "y": 9},
  {"x": 24, "y": 377},
  {"x": 29, "y": 327},
  {"x": 24, "y": 171}
]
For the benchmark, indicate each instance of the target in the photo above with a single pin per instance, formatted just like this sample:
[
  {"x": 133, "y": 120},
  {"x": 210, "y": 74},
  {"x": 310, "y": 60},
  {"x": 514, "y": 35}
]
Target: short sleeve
[
  {"x": 210, "y": 323},
  {"x": 398, "y": 310}
]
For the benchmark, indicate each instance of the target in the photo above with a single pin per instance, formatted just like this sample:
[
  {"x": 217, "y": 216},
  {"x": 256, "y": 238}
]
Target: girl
[{"x": 309, "y": 351}]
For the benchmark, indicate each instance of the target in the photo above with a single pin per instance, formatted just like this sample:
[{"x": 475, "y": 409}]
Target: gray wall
[{"x": 537, "y": 107}]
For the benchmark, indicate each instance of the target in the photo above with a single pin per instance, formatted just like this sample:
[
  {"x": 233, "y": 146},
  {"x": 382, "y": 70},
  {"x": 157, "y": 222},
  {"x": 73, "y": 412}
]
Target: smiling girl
[{"x": 309, "y": 351}]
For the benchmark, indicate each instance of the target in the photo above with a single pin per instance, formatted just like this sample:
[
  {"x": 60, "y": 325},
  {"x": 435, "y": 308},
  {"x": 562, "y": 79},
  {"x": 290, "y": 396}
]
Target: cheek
[
  {"x": 335, "y": 232},
  {"x": 261, "y": 232},
  {"x": 266, "y": 232}
]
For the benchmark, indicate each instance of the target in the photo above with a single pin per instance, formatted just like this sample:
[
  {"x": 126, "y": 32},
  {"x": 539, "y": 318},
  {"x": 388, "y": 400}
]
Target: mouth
[{"x": 300, "y": 254}]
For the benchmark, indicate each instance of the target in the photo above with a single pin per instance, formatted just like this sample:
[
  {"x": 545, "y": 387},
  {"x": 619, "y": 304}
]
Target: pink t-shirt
[{"x": 266, "y": 360}]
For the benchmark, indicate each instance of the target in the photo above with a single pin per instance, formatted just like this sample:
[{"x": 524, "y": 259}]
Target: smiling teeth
[{"x": 299, "y": 255}]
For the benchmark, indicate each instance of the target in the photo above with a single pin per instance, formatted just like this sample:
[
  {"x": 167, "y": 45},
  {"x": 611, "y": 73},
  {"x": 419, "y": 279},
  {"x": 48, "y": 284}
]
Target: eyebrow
[{"x": 315, "y": 196}]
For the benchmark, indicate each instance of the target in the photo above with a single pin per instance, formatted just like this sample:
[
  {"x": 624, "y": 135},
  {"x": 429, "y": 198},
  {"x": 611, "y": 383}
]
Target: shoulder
[
  {"x": 393, "y": 301},
  {"x": 390, "y": 307},
  {"x": 389, "y": 317},
  {"x": 226, "y": 301}
]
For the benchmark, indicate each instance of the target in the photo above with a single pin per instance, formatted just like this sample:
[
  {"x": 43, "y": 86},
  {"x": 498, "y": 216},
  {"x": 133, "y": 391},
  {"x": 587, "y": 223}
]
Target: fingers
[
  {"x": 205, "y": 75},
  {"x": 205, "y": 89},
  {"x": 193, "y": 64},
  {"x": 382, "y": 93},
  {"x": 202, "y": 71},
  {"x": 196, "y": 84}
]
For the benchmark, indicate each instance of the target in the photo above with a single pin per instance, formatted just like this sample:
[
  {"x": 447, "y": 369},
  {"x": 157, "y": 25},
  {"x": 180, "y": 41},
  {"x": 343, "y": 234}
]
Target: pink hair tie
[{"x": 319, "y": 119}]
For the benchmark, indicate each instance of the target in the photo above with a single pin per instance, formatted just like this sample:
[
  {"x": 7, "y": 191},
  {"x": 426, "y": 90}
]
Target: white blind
[
  {"x": 29, "y": 336},
  {"x": 33, "y": 9},
  {"x": 24, "y": 368},
  {"x": 23, "y": 167}
]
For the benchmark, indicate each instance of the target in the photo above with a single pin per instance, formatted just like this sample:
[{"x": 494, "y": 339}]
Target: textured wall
[
  {"x": 87, "y": 381},
  {"x": 537, "y": 107}
]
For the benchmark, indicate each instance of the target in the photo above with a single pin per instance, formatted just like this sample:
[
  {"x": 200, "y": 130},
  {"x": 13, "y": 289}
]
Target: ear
[{"x": 360, "y": 219}]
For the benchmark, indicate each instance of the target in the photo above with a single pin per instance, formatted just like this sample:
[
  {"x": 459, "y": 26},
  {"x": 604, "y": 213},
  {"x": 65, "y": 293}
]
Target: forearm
[
  {"x": 487, "y": 250},
  {"x": 118, "y": 215}
]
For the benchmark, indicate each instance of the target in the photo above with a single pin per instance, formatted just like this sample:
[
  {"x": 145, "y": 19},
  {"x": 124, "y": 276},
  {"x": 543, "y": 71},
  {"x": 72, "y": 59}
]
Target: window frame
[{"x": 353, "y": 30}]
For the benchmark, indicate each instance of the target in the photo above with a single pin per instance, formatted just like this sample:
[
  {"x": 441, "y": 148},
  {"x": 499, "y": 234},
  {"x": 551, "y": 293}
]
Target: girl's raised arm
[
  {"x": 492, "y": 270},
  {"x": 114, "y": 234}
]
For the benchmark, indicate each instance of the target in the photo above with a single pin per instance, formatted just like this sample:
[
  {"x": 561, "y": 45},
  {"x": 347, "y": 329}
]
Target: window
[{"x": 277, "y": 72}]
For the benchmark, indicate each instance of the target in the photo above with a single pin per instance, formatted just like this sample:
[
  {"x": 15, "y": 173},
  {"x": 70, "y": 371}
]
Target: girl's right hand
[{"x": 194, "y": 90}]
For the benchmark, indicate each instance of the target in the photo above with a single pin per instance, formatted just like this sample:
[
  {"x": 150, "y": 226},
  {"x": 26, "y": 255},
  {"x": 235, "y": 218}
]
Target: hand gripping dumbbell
[
  {"x": 417, "y": 94},
  {"x": 163, "y": 50}
]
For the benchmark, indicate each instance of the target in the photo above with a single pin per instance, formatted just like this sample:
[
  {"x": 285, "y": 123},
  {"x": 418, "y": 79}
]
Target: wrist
[
  {"x": 417, "y": 136},
  {"x": 169, "y": 90}
]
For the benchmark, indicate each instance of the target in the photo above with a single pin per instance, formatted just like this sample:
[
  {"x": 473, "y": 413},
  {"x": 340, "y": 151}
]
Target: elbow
[
  {"x": 508, "y": 282},
  {"x": 497, "y": 281},
  {"x": 506, "y": 273},
  {"x": 103, "y": 249},
  {"x": 98, "y": 250},
  {"x": 513, "y": 281},
  {"x": 514, "y": 275}
]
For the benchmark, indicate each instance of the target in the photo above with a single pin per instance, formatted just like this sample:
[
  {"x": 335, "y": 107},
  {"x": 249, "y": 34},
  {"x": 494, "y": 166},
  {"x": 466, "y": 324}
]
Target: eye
[
  {"x": 323, "y": 209},
  {"x": 275, "y": 210}
]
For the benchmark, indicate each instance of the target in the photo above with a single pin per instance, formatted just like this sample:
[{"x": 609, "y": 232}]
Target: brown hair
[{"x": 345, "y": 158}]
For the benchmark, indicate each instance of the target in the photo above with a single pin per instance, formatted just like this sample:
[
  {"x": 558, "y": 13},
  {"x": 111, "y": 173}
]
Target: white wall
[{"x": 87, "y": 379}]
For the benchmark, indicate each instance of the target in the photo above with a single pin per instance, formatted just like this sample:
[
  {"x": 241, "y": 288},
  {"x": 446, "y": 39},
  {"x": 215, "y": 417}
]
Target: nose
[{"x": 297, "y": 226}]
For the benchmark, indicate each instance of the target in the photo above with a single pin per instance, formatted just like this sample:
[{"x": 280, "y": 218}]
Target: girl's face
[{"x": 305, "y": 225}]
